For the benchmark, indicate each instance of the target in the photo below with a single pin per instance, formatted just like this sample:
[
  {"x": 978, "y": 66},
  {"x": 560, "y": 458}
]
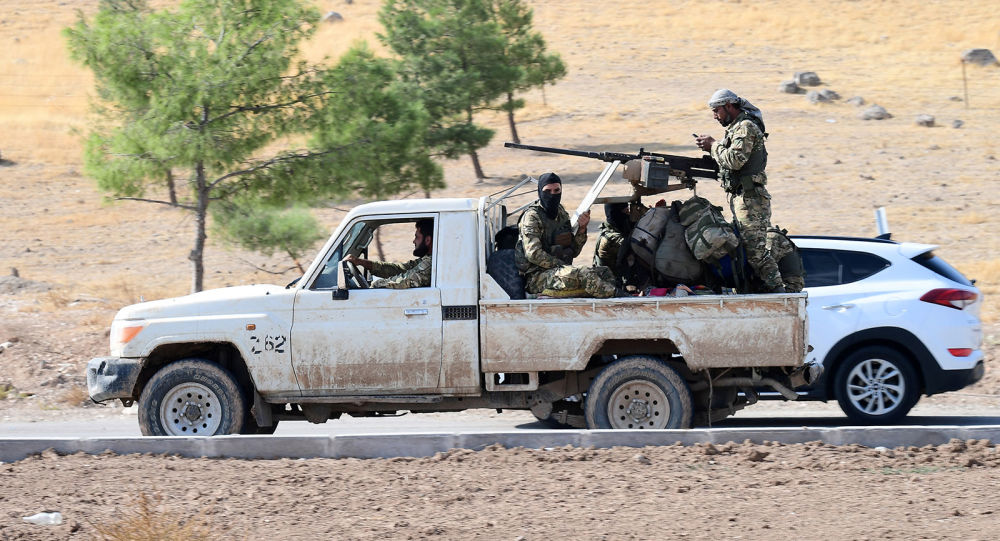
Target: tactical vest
[
  {"x": 741, "y": 180},
  {"x": 553, "y": 227}
]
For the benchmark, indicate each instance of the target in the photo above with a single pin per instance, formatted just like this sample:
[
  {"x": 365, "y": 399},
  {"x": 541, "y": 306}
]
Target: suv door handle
[
  {"x": 838, "y": 307},
  {"x": 415, "y": 312}
]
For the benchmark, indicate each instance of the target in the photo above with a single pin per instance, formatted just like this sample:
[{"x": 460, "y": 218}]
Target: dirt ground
[
  {"x": 734, "y": 491},
  {"x": 639, "y": 75}
]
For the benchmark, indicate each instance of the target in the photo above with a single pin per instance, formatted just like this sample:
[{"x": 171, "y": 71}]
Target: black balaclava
[
  {"x": 549, "y": 202},
  {"x": 617, "y": 216}
]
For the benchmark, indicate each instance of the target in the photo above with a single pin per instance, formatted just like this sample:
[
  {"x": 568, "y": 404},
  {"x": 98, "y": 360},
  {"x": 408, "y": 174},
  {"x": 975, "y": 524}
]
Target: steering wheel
[{"x": 354, "y": 275}]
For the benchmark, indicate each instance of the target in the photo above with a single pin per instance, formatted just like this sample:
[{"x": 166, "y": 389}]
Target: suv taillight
[{"x": 952, "y": 298}]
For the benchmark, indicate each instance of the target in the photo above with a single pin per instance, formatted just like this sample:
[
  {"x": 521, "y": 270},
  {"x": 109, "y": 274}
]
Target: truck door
[{"x": 375, "y": 341}]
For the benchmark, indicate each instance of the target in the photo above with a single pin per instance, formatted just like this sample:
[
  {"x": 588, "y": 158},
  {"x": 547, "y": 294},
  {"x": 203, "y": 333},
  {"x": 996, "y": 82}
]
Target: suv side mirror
[{"x": 340, "y": 294}]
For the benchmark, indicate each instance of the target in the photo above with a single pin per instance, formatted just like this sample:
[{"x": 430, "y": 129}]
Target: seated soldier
[
  {"x": 614, "y": 231},
  {"x": 546, "y": 247},
  {"x": 413, "y": 273}
]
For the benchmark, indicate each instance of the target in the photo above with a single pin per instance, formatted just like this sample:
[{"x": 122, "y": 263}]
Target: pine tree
[
  {"x": 201, "y": 92},
  {"x": 452, "y": 59},
  {"x": 526, "y": 49}
]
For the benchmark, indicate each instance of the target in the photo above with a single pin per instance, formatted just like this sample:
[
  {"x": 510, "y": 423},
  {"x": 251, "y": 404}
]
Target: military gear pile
[
  {"x": 647, "y": 233},
  {"x": 674, "y": 262},
  {"x": 708, "y": 235}
]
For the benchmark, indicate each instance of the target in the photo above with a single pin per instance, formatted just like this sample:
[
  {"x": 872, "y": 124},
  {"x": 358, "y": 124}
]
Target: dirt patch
[
  {"x": 44, "y": 355},
  {"x": 803, "y": 491},
  {"x": 10, "y": 285}
]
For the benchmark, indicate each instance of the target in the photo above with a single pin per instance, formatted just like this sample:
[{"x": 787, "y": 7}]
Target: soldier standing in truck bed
[{"x": 742, "y": 158}]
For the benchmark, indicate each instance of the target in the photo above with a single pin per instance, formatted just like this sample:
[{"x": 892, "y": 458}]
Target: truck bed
[{"x": 708, "y": 331}]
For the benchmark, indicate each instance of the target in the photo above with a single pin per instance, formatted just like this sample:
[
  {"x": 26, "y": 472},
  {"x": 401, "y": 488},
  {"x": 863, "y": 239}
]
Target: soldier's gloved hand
[{"x": 564, "y": 239}]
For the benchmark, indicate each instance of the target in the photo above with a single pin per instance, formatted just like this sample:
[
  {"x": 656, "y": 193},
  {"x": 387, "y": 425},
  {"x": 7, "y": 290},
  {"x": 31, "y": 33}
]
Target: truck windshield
[{"x": 327, "y": 278}]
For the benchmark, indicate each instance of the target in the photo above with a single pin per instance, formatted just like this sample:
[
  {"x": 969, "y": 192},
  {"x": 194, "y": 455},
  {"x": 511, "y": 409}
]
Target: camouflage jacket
[
  {"x": 413, "y": 273},
  {"x": 606, "y": 252},
  {"x": 536, "y": 248},
  {"x": 740, "y": 154}
]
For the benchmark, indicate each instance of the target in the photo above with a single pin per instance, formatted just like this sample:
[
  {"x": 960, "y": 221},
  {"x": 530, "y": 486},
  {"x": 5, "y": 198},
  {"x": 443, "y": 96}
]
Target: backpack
[
  {"x": 786, "y": 255},
  {"x": 646, "y": 234},
  {"x": 501, "y": 265},
  {"x": 673, "y": 260},
  {"x": 707, "y": 233}
]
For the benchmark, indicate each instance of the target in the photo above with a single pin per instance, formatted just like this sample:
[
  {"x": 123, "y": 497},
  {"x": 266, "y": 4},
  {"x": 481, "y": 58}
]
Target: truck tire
[
  {"x": 192, "y": 397},
  {"x": 638, "y": 392},
  {"x": 876, "y": 385}
]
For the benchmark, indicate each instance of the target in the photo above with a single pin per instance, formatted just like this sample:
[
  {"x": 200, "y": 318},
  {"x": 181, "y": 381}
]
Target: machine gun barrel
[
  {"x": 603, "y": 156},
  {"x": 703, "y": 167}
]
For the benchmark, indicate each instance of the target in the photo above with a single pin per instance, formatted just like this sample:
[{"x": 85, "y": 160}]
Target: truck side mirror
[{"x": 341, "y": 294}]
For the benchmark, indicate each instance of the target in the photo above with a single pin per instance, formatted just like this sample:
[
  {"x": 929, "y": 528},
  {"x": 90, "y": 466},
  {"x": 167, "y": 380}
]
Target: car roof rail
[{"x": 831, "y": 237}]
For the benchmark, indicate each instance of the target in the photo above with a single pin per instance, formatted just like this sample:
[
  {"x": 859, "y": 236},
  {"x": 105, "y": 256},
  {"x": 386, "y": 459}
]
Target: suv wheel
[{"x": 876, "y": 385}]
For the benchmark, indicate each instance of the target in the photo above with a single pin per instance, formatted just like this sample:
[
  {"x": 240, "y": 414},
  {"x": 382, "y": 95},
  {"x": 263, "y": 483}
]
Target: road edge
[{"x": 426, "y": 444}]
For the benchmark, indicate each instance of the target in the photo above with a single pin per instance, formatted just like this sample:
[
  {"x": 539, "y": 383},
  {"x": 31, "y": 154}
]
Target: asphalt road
[{"x": 108, "y": 422}]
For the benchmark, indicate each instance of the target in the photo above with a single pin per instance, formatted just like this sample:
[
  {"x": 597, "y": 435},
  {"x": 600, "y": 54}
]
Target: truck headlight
[{"x": 122, "y": 332}]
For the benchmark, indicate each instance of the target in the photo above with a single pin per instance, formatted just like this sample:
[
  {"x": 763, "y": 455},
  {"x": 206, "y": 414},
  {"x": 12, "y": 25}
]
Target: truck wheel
[
  {"x": 193, "y": 397},
  {"x": 876, "y": 385},
  {"x": 638, "y": 392}
]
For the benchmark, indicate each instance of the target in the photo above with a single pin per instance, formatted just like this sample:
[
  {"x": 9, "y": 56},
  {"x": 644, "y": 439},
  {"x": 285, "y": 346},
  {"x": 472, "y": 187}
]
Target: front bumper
[{"x": 111, "y": 377}]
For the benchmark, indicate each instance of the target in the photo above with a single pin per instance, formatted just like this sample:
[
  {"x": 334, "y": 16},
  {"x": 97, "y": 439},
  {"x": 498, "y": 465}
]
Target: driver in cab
[{"x": 413, "y": 273}]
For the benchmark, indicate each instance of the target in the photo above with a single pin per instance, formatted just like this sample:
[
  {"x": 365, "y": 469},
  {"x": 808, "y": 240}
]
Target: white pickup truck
[{"x": 241, "y": 359}]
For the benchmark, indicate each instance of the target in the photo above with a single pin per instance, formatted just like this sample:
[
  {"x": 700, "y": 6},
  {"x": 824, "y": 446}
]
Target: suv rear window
[
  {"x": 836, "y": 267},
  {"x": 940, "y": 266}
]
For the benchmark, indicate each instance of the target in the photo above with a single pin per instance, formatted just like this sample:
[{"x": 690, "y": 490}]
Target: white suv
[{"x": 890, "y": 321}]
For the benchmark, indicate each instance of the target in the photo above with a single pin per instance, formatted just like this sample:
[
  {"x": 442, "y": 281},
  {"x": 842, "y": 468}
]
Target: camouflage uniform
[
  {"x": 789, "y": 261},
  {"x": 742, "y": 157},
  {"x": 546, "y": 265},
  {"x": 608, "y": 244},
  {"x": 413, "y": 273}
]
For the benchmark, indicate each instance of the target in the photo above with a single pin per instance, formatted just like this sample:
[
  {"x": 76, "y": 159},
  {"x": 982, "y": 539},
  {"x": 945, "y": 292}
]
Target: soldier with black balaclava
[{"x": 547, "y": 245}]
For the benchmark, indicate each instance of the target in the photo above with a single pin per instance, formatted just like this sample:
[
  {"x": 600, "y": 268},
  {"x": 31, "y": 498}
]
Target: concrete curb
[{"x": 427, "y": 444}]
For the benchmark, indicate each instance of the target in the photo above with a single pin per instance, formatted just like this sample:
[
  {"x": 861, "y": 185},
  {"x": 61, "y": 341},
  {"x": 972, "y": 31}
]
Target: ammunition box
[{"x": 655, "y": 174}]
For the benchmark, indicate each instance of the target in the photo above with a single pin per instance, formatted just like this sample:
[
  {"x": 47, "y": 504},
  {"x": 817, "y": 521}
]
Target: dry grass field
[{"x": 639, "y": 76}]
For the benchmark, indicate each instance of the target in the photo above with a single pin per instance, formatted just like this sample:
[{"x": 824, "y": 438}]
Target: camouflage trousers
[
  {"x": 752, "y": 214},
  {"x": 789, "y": 262},
  {"x": 598, "y": 282}
]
